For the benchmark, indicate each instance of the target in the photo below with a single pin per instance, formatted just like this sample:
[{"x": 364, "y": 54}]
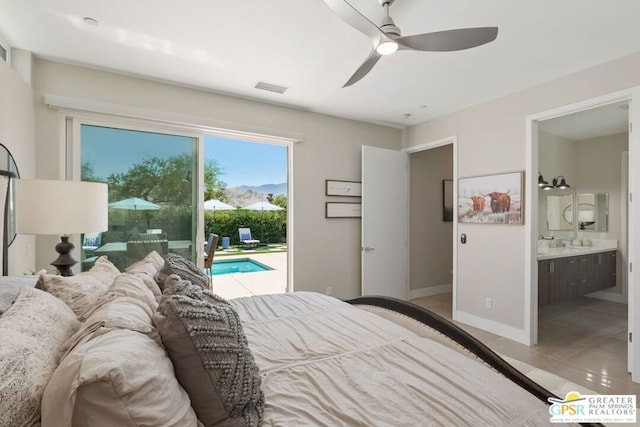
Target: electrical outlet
[
  {"x": 329, "y": 290},
  {"x": 488, "y": 303}
]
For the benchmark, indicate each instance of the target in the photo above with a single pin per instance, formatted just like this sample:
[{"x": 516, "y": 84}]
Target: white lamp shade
[{"x": 60, "y": 207}]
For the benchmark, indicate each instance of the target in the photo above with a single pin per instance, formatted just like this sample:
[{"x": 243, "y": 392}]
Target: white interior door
[
  {"x": 385, "y": 246},
  {"x": 634, "y": 237}
]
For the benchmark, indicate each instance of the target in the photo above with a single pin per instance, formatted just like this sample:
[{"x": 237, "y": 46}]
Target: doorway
[
  {"x": 246, "y": 204},
  {"x": 431, "y": 221},
  {"x": 534, "y": 129},
  {"x": 586, "y": 148},
  {"x": 371, "y": 240}
]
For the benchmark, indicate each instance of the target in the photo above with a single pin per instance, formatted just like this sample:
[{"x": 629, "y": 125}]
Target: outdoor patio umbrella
[
  {"x": 135, "y": 204},
  {"x": 216, "y": 205},
  {"x": 262, "y": 206}
]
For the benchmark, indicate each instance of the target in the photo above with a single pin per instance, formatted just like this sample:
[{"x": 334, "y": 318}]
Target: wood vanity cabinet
[{"x": 562, "y": 279}]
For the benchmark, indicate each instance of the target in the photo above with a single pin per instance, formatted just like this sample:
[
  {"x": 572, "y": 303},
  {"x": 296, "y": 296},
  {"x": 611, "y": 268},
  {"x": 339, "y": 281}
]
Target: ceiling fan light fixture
[{"x": 387, "y": 47}]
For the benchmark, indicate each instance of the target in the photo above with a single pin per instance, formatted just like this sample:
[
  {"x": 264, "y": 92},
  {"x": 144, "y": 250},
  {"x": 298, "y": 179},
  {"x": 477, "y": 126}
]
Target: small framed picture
[
  {"x": 343, "y": 188},
  {"x": 491, "y": 199},
  {"x": 343, "y": 210}
]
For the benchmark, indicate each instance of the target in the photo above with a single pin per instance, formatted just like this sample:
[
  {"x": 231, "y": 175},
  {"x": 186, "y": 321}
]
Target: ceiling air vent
[{"x": 271, "y": 87}]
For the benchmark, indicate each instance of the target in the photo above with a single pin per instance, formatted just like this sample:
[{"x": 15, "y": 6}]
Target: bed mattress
[{"x": 325, "y": 362}]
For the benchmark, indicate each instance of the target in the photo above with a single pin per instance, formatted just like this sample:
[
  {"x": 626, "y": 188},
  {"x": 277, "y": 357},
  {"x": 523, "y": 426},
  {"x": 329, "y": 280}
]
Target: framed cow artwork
[{"x": 492, "y": 199}]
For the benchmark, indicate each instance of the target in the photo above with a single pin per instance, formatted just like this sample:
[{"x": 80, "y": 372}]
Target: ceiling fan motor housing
[{"x": 389, "y": 27}]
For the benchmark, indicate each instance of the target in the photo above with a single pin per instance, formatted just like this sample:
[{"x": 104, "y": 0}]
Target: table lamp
[{"x": 61, "y": 208}]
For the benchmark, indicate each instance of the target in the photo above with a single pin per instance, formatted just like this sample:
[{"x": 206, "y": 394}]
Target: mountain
[
  {"x": 268, "y": 188},
  {"x": 246, "y": 195}
]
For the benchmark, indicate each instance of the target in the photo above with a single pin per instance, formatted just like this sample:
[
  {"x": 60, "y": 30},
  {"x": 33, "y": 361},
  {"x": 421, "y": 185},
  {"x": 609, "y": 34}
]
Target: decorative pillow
[
  {"x": 130, "y": 285},
  {"x": 212, "y": 360},
  {"x": 147, "y": 269},
  {"x": 83, "y": 289},
  {"x": 120, "y": 378},
  {"x": 151, "y": 263},
  {"x": 174, "y": 285},
  {"x": 176, "y": 264},
  {"x": 111, "y": 312},
  {"x": 10, "y": 287},
  {"x": 33, "y": 331}
]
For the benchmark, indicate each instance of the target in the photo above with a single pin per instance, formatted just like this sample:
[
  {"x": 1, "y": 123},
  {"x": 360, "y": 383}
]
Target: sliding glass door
[{"x": 152, "y": 180}]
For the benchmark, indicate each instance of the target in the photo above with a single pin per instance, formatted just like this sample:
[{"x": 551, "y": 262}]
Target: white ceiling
[
  {"x": 227, "y": 47},
  {"x": 605, "y": 120}
]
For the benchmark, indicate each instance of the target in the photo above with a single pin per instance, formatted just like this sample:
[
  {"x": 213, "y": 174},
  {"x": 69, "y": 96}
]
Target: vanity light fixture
[
  {"x": 541, "y": 181},
  {"x": 560, "y": 183}
]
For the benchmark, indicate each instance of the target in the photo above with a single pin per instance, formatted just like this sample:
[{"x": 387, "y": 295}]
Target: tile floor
[{"x": 583, "y": 340}]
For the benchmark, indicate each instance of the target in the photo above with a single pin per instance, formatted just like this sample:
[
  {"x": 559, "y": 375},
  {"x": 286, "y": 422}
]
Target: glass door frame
[
  {"x": 70, "y": 160},
  {"x": 72, "y": 163}
]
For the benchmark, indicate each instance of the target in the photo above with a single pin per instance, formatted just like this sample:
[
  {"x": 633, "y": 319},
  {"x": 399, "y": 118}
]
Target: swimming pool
[{"x": 241, "y": 265}]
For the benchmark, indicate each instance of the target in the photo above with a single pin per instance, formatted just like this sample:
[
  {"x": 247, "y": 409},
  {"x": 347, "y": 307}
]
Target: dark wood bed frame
[{"x": 463, "y": 338}]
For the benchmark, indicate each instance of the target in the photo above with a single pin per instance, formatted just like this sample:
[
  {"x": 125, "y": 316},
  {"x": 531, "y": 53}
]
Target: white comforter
[{"x": 327, "y": 363}]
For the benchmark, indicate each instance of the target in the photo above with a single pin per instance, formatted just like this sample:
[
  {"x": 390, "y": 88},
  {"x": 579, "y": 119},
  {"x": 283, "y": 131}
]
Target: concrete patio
[{"x": 236, "y": 285}]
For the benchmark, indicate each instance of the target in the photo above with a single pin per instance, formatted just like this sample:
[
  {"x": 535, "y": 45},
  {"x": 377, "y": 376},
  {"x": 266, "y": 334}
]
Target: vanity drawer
[{"x": 562, "y": 279}]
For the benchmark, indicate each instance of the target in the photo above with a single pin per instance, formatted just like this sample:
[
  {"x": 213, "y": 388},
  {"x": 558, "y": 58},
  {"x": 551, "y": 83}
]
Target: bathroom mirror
[
  {"x": 560, "y": 212},
  {"x": 593, "y": 212}
]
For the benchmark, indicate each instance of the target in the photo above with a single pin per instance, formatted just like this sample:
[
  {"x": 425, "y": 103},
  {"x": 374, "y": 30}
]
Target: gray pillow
[
  {"x": 176, "y": 264},
  {"x": 210, "y": 355}
]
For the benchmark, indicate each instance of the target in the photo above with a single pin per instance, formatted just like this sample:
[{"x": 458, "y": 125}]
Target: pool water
[{"x": 242, "y": 265}]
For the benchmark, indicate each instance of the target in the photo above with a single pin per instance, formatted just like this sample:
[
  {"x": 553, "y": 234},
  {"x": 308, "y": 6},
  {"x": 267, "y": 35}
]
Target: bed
[{"x": 153, "y": 346}]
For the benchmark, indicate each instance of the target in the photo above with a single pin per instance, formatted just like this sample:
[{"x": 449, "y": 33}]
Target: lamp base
[{"x": 65, "y": 261}]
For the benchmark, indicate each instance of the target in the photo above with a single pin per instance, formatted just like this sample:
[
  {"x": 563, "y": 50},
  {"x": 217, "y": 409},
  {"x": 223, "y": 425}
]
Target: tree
[
  {"x": 213, "y": 186},
  {"x": 87, "y": 173},
  {"x": 167, "y": 180},
  {"x": 280, "y": 200}
]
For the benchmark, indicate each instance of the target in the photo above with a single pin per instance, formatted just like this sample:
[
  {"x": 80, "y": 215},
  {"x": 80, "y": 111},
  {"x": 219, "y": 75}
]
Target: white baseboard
[
  {"x": 500, "y": 329},
  {"x": 429, "y": 291}
]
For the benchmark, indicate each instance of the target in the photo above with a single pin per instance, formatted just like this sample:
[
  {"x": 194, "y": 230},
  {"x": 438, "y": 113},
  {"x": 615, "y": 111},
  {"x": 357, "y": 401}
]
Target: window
[{"x": 152, "y": 179}]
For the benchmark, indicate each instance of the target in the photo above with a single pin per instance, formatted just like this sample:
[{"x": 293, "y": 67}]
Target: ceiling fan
[{"x": 387, "y": 38}]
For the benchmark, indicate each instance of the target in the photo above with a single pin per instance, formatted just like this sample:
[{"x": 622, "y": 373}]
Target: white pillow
[{"x": 33, "y": 331}]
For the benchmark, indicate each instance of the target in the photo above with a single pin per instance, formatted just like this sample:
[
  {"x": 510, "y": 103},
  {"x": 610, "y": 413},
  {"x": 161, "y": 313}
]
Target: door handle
[{"x": 368, "y": 249}]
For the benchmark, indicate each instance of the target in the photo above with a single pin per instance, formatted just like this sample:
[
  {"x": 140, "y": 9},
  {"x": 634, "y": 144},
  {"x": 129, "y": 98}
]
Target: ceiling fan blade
[
  {"x": 450, "y": 40},
  {"x": 351, "y": 16},
  {"x": 364, "y": 69}
]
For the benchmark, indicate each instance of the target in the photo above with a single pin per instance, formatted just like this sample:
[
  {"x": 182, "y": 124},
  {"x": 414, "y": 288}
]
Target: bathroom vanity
[{"x": 568, "y": 272}]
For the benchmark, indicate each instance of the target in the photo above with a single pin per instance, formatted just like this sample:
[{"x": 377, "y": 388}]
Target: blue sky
[
  {"x": 247, "y": 163},
  {"x": 242, "y": 163}
]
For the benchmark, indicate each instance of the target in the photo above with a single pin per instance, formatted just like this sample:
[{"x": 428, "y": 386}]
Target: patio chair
[
  {"x": 91, "y": 241},
  {"x": 245, "y": 237},
  {"x": 209, "y": 251}
]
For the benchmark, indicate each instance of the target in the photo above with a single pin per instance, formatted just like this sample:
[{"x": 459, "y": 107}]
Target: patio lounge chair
[
  {"x": 245, "y": 237},
  {"x": 209, "y": 251}
]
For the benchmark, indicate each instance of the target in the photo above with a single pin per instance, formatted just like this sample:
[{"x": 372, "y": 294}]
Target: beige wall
[
  {"x": 555, "y": 157},
  {"x": 492, "y": 139},
  {"x": 431, "y": 244},
  {"x": 327, "y": 251},
  {"x": 17, "y": 120}
]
